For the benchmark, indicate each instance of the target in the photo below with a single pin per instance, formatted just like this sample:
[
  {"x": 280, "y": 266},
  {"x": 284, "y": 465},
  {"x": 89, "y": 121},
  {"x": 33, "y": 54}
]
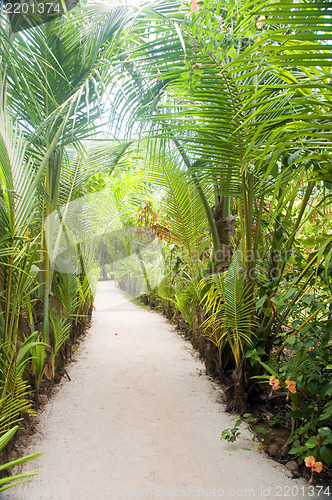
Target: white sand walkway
[{"x": 140, "y": 419}]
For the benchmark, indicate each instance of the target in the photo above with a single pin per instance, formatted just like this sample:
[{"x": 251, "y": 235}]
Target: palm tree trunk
[{"x": 225, "y": 225}]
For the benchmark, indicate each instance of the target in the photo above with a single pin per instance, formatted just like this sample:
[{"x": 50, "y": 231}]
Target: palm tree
[
  {"x": 234, "y": 88},
  {"x": 54, "y": 76},
  {"x": 229, "y": 89}
]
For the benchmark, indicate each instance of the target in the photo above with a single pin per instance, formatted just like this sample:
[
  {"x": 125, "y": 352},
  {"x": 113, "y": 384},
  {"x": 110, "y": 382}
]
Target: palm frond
[
  {"x": 228, "y": 305},
  {"x": 186, "y": 214}
]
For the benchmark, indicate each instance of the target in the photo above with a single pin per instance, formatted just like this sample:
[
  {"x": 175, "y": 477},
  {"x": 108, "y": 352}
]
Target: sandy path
[{"x": 140, "y": 420}]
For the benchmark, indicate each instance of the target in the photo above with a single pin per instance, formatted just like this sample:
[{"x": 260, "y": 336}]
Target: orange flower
[
  {"x": 291, "y": 386},
  {"x": 194, "y": 6},
  {"x": 317, "y": 467},
  {"x": 275, "y": 383},
  {"x": 311, "y": 348},
  {"x": 259, "y": 24},
  {"x": 310, "y": 461}
]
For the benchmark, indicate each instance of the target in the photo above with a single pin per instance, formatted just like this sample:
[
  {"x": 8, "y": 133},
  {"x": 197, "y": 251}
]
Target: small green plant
[
  {"x": 262, "y": 435},
  {"x": 275, "y": 420},
  {"x": 10, "y": 481},
  {"x": 317, "y": 445},
  {"x": 231, "y": 434}
]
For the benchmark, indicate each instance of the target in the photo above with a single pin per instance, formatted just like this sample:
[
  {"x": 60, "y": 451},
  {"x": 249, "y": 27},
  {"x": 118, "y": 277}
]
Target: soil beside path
[{"x": 140, "y": 419}]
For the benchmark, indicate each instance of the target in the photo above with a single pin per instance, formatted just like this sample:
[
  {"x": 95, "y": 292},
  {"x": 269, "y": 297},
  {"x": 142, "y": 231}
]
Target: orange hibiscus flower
[
  {"x": 291, "y": 386},
  {"x": 310, "y": 461},
  {"x": 259, "y": 23},
  {"x": 194, "y": 6},
  {"x": 315, "y": 466},
  {"x": 275, "y": 383}
]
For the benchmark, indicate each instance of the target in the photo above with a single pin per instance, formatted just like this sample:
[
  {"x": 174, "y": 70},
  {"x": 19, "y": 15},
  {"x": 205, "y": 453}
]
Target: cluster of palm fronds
[
  {"x": 240, "y": 94},
  {"x": 53, "y": 79},
  {"x": 222, "y": 120}
]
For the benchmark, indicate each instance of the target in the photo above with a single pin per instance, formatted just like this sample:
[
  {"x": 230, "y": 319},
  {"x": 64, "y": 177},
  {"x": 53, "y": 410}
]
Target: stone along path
[{"x": 140, "y": 419}]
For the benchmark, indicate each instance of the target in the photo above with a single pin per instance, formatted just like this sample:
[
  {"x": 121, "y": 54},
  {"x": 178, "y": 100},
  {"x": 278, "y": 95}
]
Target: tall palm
[
  {"x": 234, "y": 88},
  {"x": 18, "y": 250},
  {"x": 54, "y": 76}
]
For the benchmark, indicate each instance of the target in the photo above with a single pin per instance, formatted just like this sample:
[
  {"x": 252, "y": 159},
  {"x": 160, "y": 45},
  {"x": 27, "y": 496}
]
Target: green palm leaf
[{"x": 228, "y": 304}]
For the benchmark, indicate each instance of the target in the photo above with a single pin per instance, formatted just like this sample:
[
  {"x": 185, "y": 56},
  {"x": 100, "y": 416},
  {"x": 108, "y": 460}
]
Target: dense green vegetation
[{"x": 198, "y": 132}]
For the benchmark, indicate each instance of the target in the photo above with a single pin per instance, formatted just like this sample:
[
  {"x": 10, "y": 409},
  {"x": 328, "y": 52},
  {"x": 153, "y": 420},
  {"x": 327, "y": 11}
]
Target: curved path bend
[{"x": 140, "y": 419}]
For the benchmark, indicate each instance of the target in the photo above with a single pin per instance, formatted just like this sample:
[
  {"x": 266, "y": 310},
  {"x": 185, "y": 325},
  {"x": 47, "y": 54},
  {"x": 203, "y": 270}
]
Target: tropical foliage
[
  {"x": 239, "y": 92},
  {"x": 198, "y": 132}
]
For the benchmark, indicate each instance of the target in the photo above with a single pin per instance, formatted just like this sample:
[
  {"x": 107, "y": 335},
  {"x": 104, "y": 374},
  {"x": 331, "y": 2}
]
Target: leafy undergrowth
[
  {"x": 16, "y": 448},
  {"x": 286, "y": 434},
  {"x": 271, "y": 428}
]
